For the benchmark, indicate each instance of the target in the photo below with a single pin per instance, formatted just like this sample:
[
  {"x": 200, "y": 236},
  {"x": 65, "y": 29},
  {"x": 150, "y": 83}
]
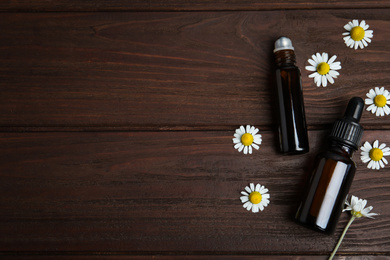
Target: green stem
[{"x": 342, "y": 237}]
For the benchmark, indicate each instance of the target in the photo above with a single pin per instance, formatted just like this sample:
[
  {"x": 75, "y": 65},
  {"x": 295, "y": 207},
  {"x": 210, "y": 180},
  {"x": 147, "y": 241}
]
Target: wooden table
[{"x": 117, "y": 119}]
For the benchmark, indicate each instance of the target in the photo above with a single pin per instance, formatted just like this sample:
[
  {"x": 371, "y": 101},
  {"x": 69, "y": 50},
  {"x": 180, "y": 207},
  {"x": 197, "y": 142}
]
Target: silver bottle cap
[{"x": 283, "y": 43}]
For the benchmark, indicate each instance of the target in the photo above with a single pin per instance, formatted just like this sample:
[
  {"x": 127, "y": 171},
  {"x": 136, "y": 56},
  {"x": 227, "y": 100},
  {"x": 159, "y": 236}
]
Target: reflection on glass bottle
[
  {"x": 333, "y": 173},
  {"x": 292, "y": 121}
]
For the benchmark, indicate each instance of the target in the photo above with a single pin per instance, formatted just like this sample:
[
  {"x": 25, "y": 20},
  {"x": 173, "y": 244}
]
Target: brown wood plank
[
  {"x": 188, "y": 5},
  {"x": 168, "y": 192},
  {"x": 175, "y": 70},
  {"x": 196, "y": 257}
]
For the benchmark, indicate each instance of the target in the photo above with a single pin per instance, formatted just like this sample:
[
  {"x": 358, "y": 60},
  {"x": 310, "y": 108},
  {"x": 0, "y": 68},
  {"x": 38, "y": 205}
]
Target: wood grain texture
[
  {"x": 176, "y": 70},
  {"x": 168, "y": 192},
  {"x": 196, "y": 257},
  {"x": 183, "y": 5}
]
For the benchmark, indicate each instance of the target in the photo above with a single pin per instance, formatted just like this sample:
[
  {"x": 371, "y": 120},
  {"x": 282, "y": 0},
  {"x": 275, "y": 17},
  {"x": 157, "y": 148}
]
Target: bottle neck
[
  {"x": 341, "y": 148},
  {"x": 284, "y": 57}
]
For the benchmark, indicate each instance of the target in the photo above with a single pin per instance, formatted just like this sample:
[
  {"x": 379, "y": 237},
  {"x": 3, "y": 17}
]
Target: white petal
[
  {"x": 256, "y": 146},
  {"x": 244, "y": 199},
  {"x": 248, "y": 189},
  {"x": 238, "y": 145},
  {"x": 245, "y": 149},
  {"x": 319, "y": 57},
  {"x": 348, "y": 27},
  {"x": 317, "y": 79},
  {"x": 335, "y": 65},
  {"x": 367, "y": 145},
  {"x": 380, "y": 112},
  {"x": 265, "y": 196},
  {"x": 241, "y": 147},
  {"x": 377, "y": 166},
  {"x": 385, "y": 160},
  {"x": 324, "y": 81},
  {"x": 372, "y": 108},
  {"x": 244, "y": 193},
  {"x": 367, "y": 39},
  {"x": 381, "y": 164},
  {"x": 330, "y": 79},
  {"x": 350, "y": 42},
  {"x": 324, "y": 57},
  {"x": 256, "y": 141},
  {"x": 369, "y": 215},
  {"x": 332, "y": 59},
  {"x": 236, "y": 141},
  {"x": 356, "y": 45},
  {"x": 264, "y": 190},
  {"x": 386, "y": 149},
  {"x": 310, "y": 68},
  {"x": 370, "y": 165},
  {"x": 313, "y": 75},
  {"x": 333, "y": 73},
  {"x": 368, "y": 101},
  {"x": 248, "y": 205},
  {"x": 250, "y": 149},
  {"x": 364, "y": 43},
  {"x": 354, "y": 200},
  {"x": 312, "y": 62},
  {"x": 265, "y": 202},
  {"x": 252, "y": 186},
  {"x": 314, "y": 57}
]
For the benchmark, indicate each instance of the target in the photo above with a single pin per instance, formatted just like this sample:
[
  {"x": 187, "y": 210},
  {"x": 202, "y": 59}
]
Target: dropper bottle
[
  {"x": 333, "y": 173},
  {"x": 293, "y": 136}
]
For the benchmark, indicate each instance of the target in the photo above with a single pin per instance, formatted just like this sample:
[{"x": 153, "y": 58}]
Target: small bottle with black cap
[
  {"x": 333, "y": 173},
  {"x": 292, "y": 128}
]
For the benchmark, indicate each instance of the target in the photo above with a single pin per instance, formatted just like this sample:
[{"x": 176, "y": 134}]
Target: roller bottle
[
  {"x": 333, "y": 173},
  {"x": 293, "y": 136}
]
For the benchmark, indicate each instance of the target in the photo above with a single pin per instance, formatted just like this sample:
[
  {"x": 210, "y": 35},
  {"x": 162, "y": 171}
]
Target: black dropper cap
[{"x": 348, "y": 130}]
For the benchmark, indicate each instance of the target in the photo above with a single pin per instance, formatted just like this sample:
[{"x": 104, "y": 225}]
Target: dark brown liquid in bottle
[
  {"x": 327, "y": 189},
  {"x": 292, "y": 121}
]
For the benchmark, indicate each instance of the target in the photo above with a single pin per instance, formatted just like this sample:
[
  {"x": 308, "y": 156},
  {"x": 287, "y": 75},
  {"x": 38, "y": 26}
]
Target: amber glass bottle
[
  {"x": 291, "y": 111},
  {"x": 333, "y": 173}
]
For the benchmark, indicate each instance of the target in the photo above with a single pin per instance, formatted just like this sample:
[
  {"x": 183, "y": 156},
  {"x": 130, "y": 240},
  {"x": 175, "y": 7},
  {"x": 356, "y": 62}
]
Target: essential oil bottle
[
  {"x": 293, "y": 136},
  {"x": 333, "y": 173}
]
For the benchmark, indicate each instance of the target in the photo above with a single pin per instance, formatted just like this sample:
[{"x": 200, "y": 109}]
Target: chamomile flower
[
  {"x": 246, "y": 138},
  {"x": 324, "y": 69},
  {"x": 374, "y": 155},
  {"x": 357, "y": 211},
  {"x": 255, "y": 198},
  {"x": 357, "y": 35},
  {"x": 357, "y": 208},
  {"x": 378, "y": 101}
]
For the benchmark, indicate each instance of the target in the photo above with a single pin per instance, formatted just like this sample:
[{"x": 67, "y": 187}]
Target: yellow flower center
[
  {"x": 357, "y": 33},
  {"x": 357, "y": 214},
  {"x": 247, "y": 139},
  {"x": 380, "y": 101},
  {"x": 323, "y": 68},
  {"x": 376, "y": 154},
  {"x": 255, "y": 197}
]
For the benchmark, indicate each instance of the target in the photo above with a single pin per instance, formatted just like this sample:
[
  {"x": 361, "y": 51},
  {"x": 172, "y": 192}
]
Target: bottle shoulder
[{"x": 335, "y": 156}]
